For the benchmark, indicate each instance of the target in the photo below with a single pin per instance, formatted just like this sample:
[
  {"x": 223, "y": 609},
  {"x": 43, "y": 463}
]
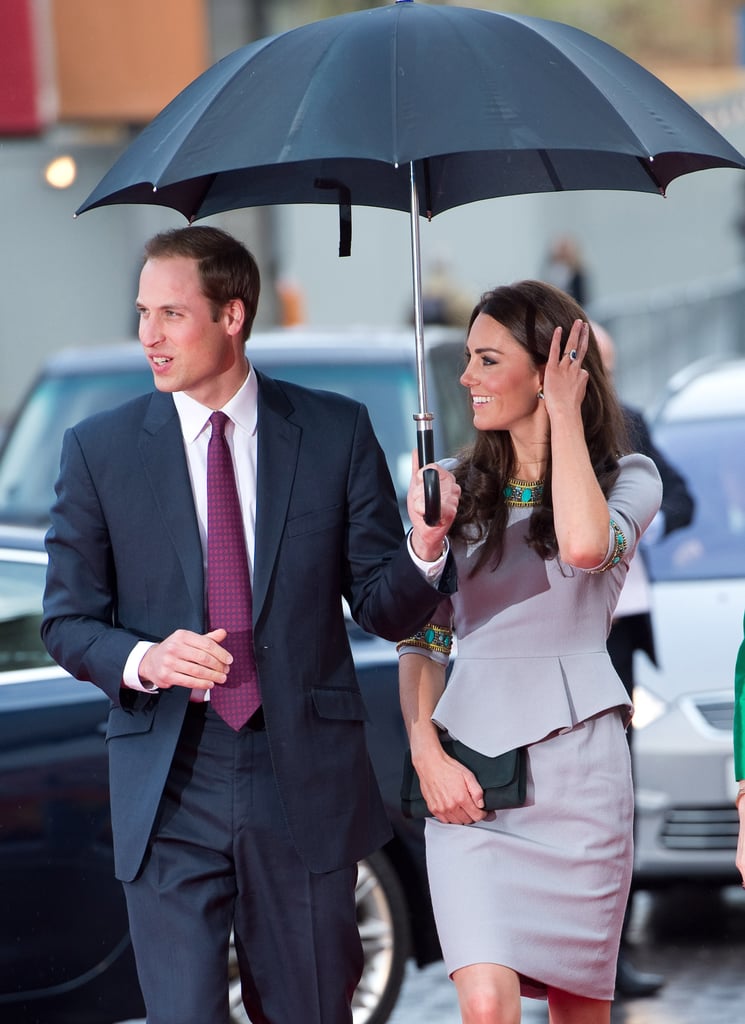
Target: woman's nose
[{"x": 466, "y": 378}]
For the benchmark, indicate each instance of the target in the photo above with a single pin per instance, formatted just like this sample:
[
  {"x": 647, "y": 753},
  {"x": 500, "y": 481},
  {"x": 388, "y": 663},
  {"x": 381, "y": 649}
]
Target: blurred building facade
[{"x": 78, "y": 78}]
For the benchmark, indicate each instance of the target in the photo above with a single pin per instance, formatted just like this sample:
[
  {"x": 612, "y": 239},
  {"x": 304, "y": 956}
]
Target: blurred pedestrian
[
  {"x": 444, "y": 301},
  {"x": 632, "y": 628},
  {"x": 564, "y": 268},
  {"x": 530, "y": 900}
]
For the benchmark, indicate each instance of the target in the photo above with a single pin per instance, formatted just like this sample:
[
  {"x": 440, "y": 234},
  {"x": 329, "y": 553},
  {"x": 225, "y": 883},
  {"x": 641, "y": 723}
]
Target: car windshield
[
  {"x": 21, "y": 587},
  {"x": 711, "y": 456},
  {"x": 387, "y": 389},
  {"x": 30, "y": 460}
]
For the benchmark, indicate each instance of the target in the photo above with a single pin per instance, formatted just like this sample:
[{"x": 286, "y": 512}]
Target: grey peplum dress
[{"x": 542, "y": 888}]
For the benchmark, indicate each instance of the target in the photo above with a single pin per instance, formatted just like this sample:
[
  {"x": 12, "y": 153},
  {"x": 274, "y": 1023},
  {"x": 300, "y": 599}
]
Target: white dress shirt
[{"x": 240, "y": 434}]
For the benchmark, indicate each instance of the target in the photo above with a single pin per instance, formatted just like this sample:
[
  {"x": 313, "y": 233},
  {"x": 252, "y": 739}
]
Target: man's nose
[{"x": 149, "y": 332}]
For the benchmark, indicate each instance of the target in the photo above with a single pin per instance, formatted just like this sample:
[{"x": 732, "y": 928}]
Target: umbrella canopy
[
  {"x": 484, "y": 104},
  {"x": 413, "y": 107}
]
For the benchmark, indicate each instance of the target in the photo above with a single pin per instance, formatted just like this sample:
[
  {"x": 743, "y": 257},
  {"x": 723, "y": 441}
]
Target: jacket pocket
[
  {"x": 123, "y": 722},
  {"x": 340, "y": 704},
  {"x": 312, "y": 522}
]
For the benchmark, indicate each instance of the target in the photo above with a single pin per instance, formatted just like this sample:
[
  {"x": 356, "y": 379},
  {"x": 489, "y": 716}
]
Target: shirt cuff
[
  {"x": 131, "y": 676},
  {"x": 432, "y": 571}
]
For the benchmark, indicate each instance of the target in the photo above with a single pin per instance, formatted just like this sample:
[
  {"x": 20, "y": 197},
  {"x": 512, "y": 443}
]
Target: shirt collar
[{"x": 242, "y": 409}]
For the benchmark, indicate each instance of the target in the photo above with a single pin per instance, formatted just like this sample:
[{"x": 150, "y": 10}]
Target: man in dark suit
[{"x": 253, "y": 825}]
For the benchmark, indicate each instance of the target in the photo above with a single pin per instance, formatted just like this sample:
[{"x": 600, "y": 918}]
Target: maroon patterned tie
[{"x": 228, "y": 583}]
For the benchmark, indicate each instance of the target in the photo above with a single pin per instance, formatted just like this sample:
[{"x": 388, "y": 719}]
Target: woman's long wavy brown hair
[{"x": 531, "y": 310}]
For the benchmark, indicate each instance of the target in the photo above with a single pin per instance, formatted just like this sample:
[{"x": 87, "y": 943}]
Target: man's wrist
[
  {"x": 131, "y": 676},
  {"x": 430, "y": 568}
]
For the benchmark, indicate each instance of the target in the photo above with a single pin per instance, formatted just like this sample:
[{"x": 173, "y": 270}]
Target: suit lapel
[
  {"x": 278, "y": 446},
  {"x": 162, "y": 449}
]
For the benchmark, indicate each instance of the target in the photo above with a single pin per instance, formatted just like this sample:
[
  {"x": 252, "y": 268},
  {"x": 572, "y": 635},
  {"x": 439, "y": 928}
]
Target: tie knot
[{"x": 218, "y": 421}]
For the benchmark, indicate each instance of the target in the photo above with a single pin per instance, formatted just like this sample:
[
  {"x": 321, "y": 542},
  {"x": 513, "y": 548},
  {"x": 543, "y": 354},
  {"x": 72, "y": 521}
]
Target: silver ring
[{"x": 573, "y": 354}]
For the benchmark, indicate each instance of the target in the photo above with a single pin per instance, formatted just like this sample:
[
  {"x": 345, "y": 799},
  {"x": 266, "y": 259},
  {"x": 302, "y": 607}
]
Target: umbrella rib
[{"x": 550, "y": 170}]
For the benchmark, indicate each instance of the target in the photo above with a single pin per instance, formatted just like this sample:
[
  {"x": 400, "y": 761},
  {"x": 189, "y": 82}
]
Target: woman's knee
[{"x": 488, "y": 994}]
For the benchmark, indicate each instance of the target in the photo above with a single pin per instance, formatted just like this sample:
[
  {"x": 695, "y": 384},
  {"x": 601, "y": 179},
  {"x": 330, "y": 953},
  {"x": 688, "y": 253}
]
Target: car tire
[{"x": 383, "y": 921}]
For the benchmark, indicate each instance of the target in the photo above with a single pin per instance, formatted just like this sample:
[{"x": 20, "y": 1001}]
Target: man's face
[{"x": 188, "y": 350}]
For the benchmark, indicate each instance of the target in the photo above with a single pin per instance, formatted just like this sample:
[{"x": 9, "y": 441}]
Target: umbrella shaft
[{"x": 416, "y": 273}]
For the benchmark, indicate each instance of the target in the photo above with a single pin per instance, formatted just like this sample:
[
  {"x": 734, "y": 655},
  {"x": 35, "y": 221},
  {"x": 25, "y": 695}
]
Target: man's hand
[
  {"x": 427, "y": 540},
  {"x": 187, "y": 659}
]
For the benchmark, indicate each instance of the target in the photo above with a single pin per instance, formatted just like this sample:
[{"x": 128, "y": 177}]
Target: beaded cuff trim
[
  {"x": 523, "y": 493},
  {"x": 431, "y": 638},
  {"x": 619, "y": 549}
]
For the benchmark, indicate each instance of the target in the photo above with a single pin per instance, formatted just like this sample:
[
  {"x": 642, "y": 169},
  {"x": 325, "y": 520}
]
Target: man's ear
[{"x": 234, "y": 313}]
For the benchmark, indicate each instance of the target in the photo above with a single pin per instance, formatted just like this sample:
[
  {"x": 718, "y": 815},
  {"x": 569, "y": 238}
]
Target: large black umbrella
[{"x": 413, "y": 107}]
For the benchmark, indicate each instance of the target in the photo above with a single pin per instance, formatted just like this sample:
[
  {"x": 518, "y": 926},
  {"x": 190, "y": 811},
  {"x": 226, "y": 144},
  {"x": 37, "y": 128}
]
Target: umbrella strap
[{"x": 345, "y": 212}]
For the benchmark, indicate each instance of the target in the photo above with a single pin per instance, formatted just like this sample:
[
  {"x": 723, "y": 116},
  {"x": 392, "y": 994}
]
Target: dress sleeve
[
  {"x": 633, "y": 504},
  {"x": 435, "y": 639}
]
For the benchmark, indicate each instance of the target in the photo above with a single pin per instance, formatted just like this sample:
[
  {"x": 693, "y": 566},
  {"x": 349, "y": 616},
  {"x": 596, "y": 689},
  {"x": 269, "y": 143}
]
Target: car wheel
[{"x": 383, "y": 922}]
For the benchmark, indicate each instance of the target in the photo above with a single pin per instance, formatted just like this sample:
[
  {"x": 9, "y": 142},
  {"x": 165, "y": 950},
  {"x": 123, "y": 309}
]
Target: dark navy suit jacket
[{"x": 126, "y": 564}]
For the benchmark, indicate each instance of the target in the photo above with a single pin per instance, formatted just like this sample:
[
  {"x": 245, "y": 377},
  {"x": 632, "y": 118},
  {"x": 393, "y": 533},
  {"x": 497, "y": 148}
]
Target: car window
[
  {"x": 29, "y": 463},
  {"x": 454, "y": 420},
  {"x": 711, "y": 456},
  {"x": 387, "y": 389},
  {"x": 21, "y": 587},
  {"x": 30, "y": 460}
]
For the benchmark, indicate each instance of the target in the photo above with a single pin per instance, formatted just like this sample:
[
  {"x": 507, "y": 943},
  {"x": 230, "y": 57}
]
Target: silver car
[{"x": 686, "y": 819}]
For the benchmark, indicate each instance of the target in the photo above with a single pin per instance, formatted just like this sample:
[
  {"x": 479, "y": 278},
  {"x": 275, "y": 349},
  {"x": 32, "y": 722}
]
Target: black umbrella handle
[{"x": 425, "y": 440}]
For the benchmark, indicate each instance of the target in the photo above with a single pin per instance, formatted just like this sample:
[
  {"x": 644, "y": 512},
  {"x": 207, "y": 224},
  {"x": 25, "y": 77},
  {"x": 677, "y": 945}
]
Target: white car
[{"x": 686, "y": 818}]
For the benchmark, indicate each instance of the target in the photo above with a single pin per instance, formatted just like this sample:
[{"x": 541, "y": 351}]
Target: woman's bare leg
[
  {"x": 568, "y": 1008},
  {"x": 488, "y": 994}
]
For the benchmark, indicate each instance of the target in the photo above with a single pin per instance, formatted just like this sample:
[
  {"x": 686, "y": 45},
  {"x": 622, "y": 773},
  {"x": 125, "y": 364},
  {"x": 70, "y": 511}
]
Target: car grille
[
  {"x": 719, "y": 714},
  {"x": 700, "y": 828}
]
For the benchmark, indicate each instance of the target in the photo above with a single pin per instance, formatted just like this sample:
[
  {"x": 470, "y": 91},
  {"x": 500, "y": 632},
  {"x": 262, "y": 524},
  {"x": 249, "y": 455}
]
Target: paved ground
[{"x": 694, "y": 936}]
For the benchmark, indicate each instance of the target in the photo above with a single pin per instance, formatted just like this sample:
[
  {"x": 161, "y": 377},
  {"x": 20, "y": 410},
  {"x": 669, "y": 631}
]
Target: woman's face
[{"x": 501, "y": 377}]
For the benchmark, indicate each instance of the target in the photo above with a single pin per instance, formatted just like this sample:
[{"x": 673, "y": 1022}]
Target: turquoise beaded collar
[{"x": 523, "y": 493}]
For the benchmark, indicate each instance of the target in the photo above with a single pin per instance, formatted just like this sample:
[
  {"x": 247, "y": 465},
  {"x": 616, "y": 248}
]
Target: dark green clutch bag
[{"x": 502, "y": 778}]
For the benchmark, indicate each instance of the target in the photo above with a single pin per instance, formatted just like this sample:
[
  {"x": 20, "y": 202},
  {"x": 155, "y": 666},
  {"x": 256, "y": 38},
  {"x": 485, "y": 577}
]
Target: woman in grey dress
[{"x": 530, "y": 901}]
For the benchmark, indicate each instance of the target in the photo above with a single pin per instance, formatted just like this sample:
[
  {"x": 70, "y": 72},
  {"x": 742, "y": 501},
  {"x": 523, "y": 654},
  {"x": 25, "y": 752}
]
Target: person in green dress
[{"x": 739, "y": 739}]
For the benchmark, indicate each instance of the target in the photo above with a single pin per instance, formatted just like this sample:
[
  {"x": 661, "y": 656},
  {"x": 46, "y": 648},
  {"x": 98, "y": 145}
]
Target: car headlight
[{"x": 648, "y": 707}]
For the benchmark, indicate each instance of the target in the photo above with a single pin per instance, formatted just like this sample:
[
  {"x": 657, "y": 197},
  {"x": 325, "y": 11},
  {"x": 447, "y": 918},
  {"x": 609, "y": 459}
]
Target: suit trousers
[{"x": 221, "y": 857}]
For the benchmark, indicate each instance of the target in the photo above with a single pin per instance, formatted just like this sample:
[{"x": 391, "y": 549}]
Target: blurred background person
[
  {"x": 632, "y": 628},
  {"x": 444, "y": 301},
  {"x": 564, "y": 268}
]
